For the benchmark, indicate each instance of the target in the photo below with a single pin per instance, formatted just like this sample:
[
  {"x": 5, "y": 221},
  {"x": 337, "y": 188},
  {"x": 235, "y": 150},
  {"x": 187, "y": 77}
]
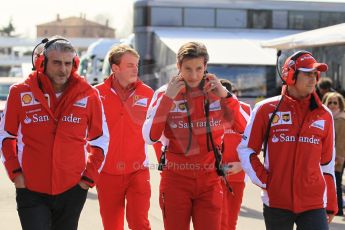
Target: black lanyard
[
  {"x": 269, "y": 126},
  {"x": 217, "y": 154},
  {"x": 189, "y": 125},
  {"x": 209, "y": 138}
]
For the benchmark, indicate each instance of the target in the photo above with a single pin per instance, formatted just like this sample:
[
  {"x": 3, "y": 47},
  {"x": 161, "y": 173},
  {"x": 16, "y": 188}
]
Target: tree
[{"x": 8, "y": 30}]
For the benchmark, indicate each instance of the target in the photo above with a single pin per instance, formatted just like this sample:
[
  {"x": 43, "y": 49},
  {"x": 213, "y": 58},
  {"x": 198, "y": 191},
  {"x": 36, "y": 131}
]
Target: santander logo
[
  {"x": 71, "y": 119},
  {"x": 302, "y": 139},
  {"x": 36, "y": 118}
]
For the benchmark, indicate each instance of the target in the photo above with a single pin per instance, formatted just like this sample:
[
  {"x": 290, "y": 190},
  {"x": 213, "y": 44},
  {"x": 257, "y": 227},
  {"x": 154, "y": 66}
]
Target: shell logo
[
  {"x": 26, "y": 99},
  {"x": 275, "y": 119},
  {"x": 182, "y": 106}
]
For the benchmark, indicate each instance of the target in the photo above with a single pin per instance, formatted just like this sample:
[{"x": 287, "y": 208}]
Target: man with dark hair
[
  {"x": 297, "y": 134},
  {"x": 324, "y": 86},
  {"x": 235, "y": 175}
]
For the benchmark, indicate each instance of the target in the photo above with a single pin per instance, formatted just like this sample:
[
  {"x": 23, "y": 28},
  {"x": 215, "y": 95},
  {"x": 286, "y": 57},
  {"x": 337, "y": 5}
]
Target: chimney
[
  {"x": 107, "y": 23},
  {"x": 58, "y": 17}
]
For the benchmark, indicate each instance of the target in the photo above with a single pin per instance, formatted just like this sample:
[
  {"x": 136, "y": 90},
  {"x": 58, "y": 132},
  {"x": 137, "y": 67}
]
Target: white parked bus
[{"x": 91, "y": 62}]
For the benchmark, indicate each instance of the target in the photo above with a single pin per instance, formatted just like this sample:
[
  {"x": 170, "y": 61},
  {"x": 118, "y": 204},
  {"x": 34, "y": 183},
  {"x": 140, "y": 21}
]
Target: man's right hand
[
  {"x": 175, "y": 85},
  {"x": 19, "y": 181}
]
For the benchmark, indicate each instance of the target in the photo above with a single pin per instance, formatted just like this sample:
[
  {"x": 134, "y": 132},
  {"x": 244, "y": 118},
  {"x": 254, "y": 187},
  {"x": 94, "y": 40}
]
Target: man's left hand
[
  {"x": 84, "y": 185},
  {"x": 330, "y": 217},
  {"x": 214, "y": 86},
  {"x": 234, "y": 167}
]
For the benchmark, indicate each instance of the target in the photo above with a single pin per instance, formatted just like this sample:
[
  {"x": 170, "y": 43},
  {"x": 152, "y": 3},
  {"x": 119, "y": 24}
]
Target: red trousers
[
  {"x": 113, "y": 190},
  {"x": 182, "y": 198},
  {"x": 231, "y": 205}
]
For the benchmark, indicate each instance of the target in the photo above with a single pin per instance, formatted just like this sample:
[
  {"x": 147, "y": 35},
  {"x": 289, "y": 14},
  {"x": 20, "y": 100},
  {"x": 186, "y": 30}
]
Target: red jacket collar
[
  {"x": 77, "y": 89},
  {"x": 123, "y": 93},
  {"x": 313, "y": 98}
]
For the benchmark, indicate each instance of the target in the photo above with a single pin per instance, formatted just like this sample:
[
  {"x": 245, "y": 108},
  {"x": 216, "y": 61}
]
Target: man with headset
[
  {"x": 188, "y": 115},
  {"x": 296, "y": 132},
  {"x": 53, "y": 138}
]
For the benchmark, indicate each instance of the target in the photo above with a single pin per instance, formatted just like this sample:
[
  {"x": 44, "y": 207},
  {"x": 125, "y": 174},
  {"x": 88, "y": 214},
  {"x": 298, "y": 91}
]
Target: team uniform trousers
[
  {"x": 114, "y": 190},
  {"x": 232, "y": 201},
  {"x": 282, "y": 219},
  {"x": 199, "y": 198},
  {"x": 231, "y": 204},
  {"x": 39, "y": 211}
]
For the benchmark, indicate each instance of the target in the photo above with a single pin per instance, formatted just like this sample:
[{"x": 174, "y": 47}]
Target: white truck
[{"x": 91, "y": 62}]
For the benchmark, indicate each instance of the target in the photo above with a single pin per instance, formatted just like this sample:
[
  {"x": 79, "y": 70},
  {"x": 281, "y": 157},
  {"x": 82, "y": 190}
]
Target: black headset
[{"x": 45, "y": 40}]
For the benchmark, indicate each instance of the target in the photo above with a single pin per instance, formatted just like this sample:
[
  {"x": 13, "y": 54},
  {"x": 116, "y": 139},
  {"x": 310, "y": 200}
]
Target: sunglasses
[{"x": 332, "y": 102}]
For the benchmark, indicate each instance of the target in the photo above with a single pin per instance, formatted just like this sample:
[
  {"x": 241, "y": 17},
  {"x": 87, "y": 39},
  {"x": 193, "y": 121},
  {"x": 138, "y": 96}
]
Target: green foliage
[{"x": 8, "y": 30}]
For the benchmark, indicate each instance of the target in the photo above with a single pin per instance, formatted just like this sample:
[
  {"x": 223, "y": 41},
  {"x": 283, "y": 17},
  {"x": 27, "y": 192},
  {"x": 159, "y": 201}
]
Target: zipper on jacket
[
  {"x": 123, "y": 137},
  {"x": 300, "y": 128},
  {"x": 294, "y": 160}
]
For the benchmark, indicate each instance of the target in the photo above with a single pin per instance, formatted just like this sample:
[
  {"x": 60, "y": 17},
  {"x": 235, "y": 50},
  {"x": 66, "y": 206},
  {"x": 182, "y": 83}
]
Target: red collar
[{"x": 122, "y": 92}]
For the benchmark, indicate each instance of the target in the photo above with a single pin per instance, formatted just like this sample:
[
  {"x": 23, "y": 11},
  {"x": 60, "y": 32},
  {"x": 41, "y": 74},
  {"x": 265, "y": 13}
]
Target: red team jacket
[
  {"x": 298, "y": 171},
  {"x": 230, "y": 142},
  {"x": 167, "y": 121},
  {"x": 47, "y": 140},
  {"x": 127, "y": 149}
]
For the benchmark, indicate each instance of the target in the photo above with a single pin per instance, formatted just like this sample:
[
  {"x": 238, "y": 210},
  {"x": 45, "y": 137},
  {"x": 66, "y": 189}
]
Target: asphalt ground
[{"x": 250, "y": 216}]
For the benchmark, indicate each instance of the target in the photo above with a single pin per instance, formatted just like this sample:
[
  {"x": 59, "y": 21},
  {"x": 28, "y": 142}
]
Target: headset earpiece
[
  {"x": 318, "y": 75},
  {"x": 39, "y": 63},
  {"x": 289, "y": 73},
  {"x": 203, "y": 80},
  {"x": 76, "y": 62}
]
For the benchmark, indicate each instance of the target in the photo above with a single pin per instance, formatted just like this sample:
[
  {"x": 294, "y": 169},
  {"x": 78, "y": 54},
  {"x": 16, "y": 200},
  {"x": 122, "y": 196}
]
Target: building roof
[
  {"x": 235, "y": 46},
  {"x": 312, "y": 5},
  {"x": 7, "y": 42},
  {"x": 331, "y": 35},
  {"x": 73, "y": 21}
]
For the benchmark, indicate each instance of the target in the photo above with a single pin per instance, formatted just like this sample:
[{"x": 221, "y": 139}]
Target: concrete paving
[{"x": 250, "y": 217}]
